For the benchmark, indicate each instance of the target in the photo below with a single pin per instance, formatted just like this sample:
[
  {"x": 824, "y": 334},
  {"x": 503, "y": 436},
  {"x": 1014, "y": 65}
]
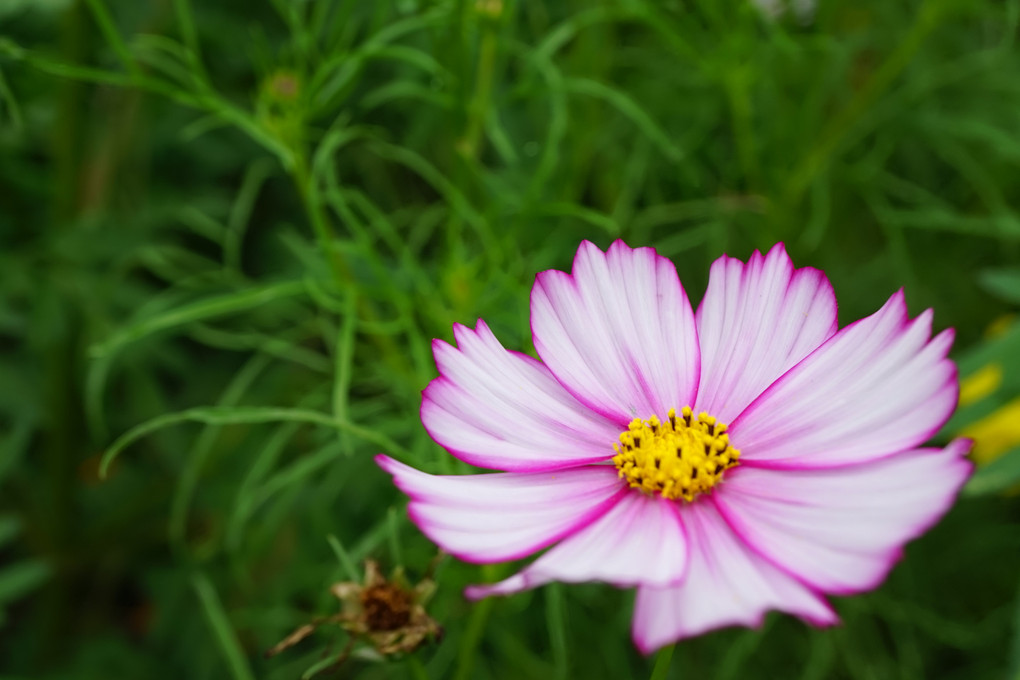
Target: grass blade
[
  {"x": 221, "y": 628},
  {"x": 221, "y": 305},
  {"x": 344, "y": 558},
  {"x": 246, "y": 415}
]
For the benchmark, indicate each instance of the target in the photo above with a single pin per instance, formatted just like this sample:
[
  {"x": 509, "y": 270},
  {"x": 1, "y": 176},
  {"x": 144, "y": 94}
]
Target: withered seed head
[{"x": 388, "y": 614}]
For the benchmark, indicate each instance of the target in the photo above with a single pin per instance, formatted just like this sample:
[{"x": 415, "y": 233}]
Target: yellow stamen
[{"x": 679, "y": 458}]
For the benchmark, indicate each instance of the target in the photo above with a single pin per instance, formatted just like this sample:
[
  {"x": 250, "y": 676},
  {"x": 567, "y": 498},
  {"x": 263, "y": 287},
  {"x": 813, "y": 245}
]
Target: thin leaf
[
  {"x": 223, "y": 632},
  {"x": 662, "y": 662},
  {"x": 592, "y": 217},
  {"x": 112, "y": 35},
  {"x": 1002, "y": 283},
  {"x": 396, "y": 554},
  {"x": 629, "y": 108},
  {"x": 221, "y": 305},
  {"x": 186, "y": 24},
  {"x": 999, "y": 475},
  {"x": 20, "y": 578},
  {"x": 7, "y": 97},
  {"x": 10, "y": 527},
  {"x": 344, "y": 558},
  {"x": 300, "y": 469},
  {"x": 199, "y": 452},
  {"x": 246, "y": 415},
  {"x": 555, "y": 620}
]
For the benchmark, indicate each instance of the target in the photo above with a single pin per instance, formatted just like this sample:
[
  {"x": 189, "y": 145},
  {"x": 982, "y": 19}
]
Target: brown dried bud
[{"x": 387, "y": 613}]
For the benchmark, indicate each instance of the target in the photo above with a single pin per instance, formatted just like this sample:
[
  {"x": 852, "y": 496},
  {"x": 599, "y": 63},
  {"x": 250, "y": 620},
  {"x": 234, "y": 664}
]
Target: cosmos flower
[{"x": 746, "y": 457}]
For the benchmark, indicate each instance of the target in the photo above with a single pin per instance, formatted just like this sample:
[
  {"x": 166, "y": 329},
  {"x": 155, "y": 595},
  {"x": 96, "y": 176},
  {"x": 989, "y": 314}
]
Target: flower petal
[
  {"x": 498, "y": 409},
  {"x": 757, "y": 321},
  {"x": 841, "y": 530},
  {"x": 639, "y": 541},
  {"x": 618, "y": 332},
  {"x": 877, "y": 387},
  {"x": 727, "y": 584},
  {"x": 504, "y": 516}
]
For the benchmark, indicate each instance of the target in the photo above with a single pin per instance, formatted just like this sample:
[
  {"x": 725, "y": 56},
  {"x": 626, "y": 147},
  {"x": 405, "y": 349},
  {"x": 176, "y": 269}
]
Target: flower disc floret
[{"x": 676, "y": 458}]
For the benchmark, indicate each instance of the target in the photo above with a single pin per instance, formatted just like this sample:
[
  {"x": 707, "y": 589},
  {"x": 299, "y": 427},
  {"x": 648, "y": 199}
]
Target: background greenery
[{"x": 237, "y": 225}]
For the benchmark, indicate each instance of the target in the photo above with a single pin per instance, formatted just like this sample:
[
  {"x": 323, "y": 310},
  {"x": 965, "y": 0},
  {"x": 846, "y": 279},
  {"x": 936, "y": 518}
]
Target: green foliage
[{"x": 232, "y": 229}]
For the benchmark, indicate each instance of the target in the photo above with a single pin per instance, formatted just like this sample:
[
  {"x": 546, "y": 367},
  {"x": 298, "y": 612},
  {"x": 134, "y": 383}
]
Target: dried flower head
[{"x": 388, "y": 614}]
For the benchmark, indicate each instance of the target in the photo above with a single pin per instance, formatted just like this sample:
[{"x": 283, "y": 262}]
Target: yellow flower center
[{"x": 679, "y": 458}]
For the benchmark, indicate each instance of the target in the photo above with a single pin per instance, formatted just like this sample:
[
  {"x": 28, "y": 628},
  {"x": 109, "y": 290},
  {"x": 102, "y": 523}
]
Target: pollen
[{"x": 681, "y": 457}]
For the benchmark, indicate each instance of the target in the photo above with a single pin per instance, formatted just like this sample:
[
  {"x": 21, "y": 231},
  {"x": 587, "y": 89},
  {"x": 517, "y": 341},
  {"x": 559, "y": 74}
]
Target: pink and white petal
[
  {"x": 841, "y": 530},
  {"x": 503, "y": 410},
  {"x": 504, "y": 516},
  {"x": 756, "y": 321},
  {"x": 727, "y": 584},
  {"x": 639, "y": 541},
  {"x": 877, "y": 387},
  {"x": 618, "y": 332}
]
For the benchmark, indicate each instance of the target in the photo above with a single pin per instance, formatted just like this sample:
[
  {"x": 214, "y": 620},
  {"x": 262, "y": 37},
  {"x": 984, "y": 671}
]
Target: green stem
[
  {"x": 317, "y": 217},
  {"x": 662, "y": 661},
  {"x": 476, "y": 111},
  {"x": 557, "y": 631},
  {"x": 472, "y": 637},
  {"x": 222, "y": 628},
  {"x": 478, "y": 106},
  {"x": 741, "y": 116},
  {"x": 394, "y": 357},
  {"x": 112, "y": 35},
  {"x": 246, "y": 416}
]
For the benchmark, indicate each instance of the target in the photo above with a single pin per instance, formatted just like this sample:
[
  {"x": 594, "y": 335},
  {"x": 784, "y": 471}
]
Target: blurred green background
[{"x": 236, "y": 225}]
